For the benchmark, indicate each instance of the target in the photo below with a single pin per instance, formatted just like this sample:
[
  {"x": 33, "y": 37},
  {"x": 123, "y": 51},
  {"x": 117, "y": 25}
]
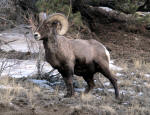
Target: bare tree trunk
[
  {"x": 93, "y": 16},
  {"x": 98, "y": 18},
  {"x": 140, "y": 4}
]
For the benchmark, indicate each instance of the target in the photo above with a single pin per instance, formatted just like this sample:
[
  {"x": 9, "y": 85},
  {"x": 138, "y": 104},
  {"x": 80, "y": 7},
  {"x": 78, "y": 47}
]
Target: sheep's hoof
[
  {"x": 117, "y": 97},
  {"x": 87, "y": 90}
]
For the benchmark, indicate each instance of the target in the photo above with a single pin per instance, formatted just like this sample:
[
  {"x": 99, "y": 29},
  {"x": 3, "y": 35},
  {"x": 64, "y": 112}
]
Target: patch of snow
[
  {"x": 79, "y": 89},
  {"x": 98, "y": 97},
  {"x": 125, "y": 103},
  {"x": 18, "y": 42},
  {"x": 61, "y": 94},
  {"x": 42, "y": 83},
  {"x": 147, "y": 75},
  {"x": 8, "y": 87},
  {"x": 39, "y": 81},
  {"x": 114, "y": 67},
  {"x": 106, "y": 83},
  {"x": 5, "y": 87},
  {"x": 55, "y": 83},
  {"x": 132, "y": 92},
  {"x": 140, "y": 93},
  {"x": 13, "y": 36},
  {"x": 106, "y": 9},
  {"x": 135, "y": 82},
  {"x": 112, "y": 61},
  {"x": 123, "y": 91},
  {"x": 99, "y": 89},
  {"x": 111, "y": 90},
  {"x": 119, "y": 74},
  {"x": 11, "y": 104},
  {"x": 145, "y": 83},
  {"x": 22, "y": 68},
  {"x": 126, "y": 91},
  {"x": 132, "y": 73},
  {"x": 20, "y": 45}
]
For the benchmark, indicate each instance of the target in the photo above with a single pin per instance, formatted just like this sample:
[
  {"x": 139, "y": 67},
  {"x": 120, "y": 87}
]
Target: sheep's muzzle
[{"x": 37, "y": 36}]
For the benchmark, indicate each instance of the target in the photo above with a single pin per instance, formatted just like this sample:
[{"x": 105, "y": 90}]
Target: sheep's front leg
[
  {"x": 69, "y": 85},
  {"x": 67, "y": 76}
]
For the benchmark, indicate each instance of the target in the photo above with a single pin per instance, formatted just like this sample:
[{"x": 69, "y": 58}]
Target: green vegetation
[
  {"x": 142, "y": 17},
  {"x": 127, "y": 6},
  {"x": 60, "y": 6}
]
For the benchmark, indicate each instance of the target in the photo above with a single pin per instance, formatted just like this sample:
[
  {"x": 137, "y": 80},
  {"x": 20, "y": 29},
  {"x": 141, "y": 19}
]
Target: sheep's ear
[{"x": 42, "y": 16}]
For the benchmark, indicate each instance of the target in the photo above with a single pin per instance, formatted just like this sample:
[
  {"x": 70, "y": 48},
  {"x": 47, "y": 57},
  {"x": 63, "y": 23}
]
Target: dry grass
[
  {"x": 108, "y": 108},
  {"x": 104, "y": 104},
  {"x": 125, "y": 82},
  {"x": 137, "y": 63},
  {"x": 141, "y": 64},
  {"x": 86, "y": 97},
  {"x": 11, "y": 90},
  {"x": 131, "y": 102},
  {"x": 137, "y": 110}
]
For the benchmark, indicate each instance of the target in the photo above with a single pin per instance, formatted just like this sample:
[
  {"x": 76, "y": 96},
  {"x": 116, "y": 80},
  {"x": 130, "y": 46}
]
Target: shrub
[
  {"x": 127, "y": 6},
  {"x": 59, "y": 6}
]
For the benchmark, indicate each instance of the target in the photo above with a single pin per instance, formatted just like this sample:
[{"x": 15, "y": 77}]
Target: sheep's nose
[{"x": 35, "y": 35}]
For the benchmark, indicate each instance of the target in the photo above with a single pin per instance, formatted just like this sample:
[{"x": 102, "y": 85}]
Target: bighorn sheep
[{"x": 73, "y": 56}]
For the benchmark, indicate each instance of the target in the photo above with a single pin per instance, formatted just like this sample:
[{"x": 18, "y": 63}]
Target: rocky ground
[{"x": 23, "y": 92}]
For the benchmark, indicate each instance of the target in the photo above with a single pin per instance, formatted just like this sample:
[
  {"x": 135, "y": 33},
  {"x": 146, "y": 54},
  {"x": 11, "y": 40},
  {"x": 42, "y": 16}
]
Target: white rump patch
[{"x": 107, "y": 53}]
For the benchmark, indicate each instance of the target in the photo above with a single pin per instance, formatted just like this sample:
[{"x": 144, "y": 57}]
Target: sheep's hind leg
[{"x": 107, "y": 73}]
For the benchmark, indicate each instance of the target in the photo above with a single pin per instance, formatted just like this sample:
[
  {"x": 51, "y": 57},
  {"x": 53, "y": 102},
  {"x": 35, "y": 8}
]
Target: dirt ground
[
  {"x": 129, "y": 50},
  {"x": 126, "y": 45}
]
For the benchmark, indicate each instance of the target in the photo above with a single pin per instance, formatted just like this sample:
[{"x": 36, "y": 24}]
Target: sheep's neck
[
  {"x": 51, "y": 44},
  {"x": 51, "y": 51}
]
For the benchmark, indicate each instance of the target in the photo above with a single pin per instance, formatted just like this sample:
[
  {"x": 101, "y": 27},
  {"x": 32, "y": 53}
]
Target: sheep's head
[{"x": 47, "y": 25}]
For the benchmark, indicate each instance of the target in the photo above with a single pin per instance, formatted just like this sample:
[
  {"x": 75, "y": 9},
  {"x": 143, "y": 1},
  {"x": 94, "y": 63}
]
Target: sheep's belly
[
  {"x": 80, "y": 72},
  {"x": 84, "y": 69}
]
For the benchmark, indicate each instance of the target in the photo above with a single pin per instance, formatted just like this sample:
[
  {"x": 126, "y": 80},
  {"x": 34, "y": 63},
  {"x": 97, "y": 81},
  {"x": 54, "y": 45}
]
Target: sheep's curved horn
[{"x": 62, "y": 20}]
